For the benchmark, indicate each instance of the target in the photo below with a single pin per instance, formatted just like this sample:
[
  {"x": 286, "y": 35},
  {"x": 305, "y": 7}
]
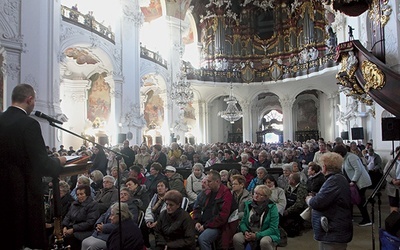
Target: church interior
[
  {"x": 205, "y": 71},
  {"x": 155, "y": 71}
]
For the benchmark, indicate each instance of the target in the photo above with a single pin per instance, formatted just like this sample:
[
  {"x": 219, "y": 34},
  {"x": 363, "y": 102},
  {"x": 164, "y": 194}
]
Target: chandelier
[
  {"x": 232, "y": 113},
  {"x": 181, "y": 90}
]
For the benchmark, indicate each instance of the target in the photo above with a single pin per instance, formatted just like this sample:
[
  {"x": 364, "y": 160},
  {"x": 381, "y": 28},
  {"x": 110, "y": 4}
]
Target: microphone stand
[
  {"x": 56, "y": 193},
  {"x": 376, "y": 192}
]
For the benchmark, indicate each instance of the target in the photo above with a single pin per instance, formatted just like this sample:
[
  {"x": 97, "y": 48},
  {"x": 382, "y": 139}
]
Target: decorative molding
[
  {"x": 373, "y": 76},
  {"x": 134, "y": 16},
  {"x": 78, "y": 96},
  {"x": 10, "y": 20},
  {"x": 11, "y": 68}
]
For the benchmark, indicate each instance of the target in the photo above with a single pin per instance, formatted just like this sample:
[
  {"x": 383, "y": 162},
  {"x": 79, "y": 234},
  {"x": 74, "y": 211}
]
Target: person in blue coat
[{"x": 331, "y": 206}]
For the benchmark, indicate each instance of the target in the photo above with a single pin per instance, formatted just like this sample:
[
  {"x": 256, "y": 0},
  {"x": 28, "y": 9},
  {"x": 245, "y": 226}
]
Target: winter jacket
[
  {"x": 175, "y": 231},
  {"x": 270, "y": 222},
  {"x": 193, "y": 187},
  {"x": 81, "y": 217},
  {"x": 333, "y": 201},
  {"x": 221, "y": 210},
  {"x": 176, "y": 183}
]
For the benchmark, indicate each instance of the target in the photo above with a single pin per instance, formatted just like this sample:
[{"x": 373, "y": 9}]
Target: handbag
[{"x": 355, "y": 195}]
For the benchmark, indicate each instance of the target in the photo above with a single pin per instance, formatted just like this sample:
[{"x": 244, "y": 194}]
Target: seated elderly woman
[
  {"x": 193, "y": 183},
  {"x": 175, "y": 227},
  {"x": 80, "y": 218},
  {"x": 283, "y": 179},
  {"x": 259, "y": 226},
  {"x": 131, "y": 237},
  {"x": 258, "y": 180}
]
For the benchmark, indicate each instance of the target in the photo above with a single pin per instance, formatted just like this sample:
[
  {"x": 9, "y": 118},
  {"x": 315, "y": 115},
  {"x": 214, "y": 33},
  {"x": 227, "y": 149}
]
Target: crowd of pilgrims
[{"x": 227, "y": 209}]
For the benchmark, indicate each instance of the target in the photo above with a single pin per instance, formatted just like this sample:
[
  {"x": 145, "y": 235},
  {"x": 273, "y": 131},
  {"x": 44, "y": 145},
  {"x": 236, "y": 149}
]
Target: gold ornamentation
[
  {"x": 373, "y": 76},
  {"x": 380, "y": 12}
]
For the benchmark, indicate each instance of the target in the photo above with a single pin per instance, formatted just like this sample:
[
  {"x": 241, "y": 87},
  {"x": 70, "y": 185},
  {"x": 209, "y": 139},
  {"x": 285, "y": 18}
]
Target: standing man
[
  {"x": 129, "y": 159},
  {"x": 23, "y": 163}
]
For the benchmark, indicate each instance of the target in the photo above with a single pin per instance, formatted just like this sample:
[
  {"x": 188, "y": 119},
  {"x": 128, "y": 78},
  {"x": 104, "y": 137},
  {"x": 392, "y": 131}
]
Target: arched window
[{"x": 272, "y": 124}]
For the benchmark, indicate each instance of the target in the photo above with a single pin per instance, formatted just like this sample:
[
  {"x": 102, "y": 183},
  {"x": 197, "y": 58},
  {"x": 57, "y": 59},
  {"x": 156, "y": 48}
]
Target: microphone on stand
[{"x": 48, "y": 118}]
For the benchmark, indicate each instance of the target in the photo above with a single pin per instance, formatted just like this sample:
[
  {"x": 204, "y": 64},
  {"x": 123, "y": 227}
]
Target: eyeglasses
[{"x": 258, "y": 194}]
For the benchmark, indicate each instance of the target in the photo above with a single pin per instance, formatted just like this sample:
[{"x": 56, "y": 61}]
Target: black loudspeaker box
[
  {"x": 345, "y": 135},
  {"x": 392, "y": 223},
  {"x": 357, "y": 133},
  {"x": 121, "y": 138},
  {"x": 390, "y": 129}
]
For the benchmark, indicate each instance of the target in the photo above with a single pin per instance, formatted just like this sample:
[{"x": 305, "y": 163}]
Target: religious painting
[
  {"x": 177, "y": 9},
  {"x": 153, "y": 110},
  {"x": 99, "y": 100},
  {"x": 153, "y": 11},
  {"x": 307, "y": 115}
]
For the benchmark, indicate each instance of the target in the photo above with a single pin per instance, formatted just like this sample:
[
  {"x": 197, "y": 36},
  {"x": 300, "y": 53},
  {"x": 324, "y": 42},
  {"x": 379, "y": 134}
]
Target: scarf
[{"x": 258, "y": 210}]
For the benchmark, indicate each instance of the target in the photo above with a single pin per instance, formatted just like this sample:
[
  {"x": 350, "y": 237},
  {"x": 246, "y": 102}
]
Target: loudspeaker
[
  {"x": 121, "y": 137},
  {"x": 390, "y": 129},
  {"x": 345, "y": 135},
  {"x": 392, "y": 223},
  {"x": 357, "y": 133}
]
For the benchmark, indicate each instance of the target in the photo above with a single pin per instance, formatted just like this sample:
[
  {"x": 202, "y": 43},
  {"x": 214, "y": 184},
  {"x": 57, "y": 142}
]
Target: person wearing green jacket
[{"x": 260, "y": 223}]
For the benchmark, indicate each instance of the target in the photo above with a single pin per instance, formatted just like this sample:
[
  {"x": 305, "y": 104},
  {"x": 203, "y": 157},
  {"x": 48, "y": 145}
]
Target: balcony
[{"x": 88, "y": 22}]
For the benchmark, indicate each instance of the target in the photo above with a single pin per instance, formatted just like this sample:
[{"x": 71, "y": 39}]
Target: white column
[
  {"x": 74, "y": 91},
  {"x": 131, "y": 21},
  {"x": 287, "y": 105},
  {"x": 246, "y": 120},
  {"x": 40, "y": 26},
  {"x": 202, "y": 121},
  {"x": 11, "y": 69}
]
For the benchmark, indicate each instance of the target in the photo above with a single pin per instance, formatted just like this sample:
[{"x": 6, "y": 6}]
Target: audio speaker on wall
[
  {"x": 357, "y": 133},
  {"x": 390, "y": 129},
  {"x": 345, "y": 135},
  {"x": 121, "y": 137}
]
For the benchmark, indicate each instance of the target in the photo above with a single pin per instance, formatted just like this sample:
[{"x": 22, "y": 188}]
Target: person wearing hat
[{"x": 175, "y": 180}]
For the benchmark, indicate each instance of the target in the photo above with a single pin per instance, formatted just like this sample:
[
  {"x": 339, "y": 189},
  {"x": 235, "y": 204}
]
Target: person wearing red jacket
[{"x": 211, "y": 211}]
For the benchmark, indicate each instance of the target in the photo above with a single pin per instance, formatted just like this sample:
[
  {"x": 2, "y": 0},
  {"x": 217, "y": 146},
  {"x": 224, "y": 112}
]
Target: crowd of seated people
[{"x": 217, "y": 199}]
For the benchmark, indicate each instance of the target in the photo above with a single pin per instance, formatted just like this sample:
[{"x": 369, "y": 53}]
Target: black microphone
[{"x": 48, "y": 118}]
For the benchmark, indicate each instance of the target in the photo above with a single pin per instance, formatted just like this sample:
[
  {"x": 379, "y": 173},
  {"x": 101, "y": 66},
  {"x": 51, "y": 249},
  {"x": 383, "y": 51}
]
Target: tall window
[{"x": 273, "y": 123}]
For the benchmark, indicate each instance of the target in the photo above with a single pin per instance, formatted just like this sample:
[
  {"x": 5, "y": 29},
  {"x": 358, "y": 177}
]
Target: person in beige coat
[{"x": 393, "y": 182}]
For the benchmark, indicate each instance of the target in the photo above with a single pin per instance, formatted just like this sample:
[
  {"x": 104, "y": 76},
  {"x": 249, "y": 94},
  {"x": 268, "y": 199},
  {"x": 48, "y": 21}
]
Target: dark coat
[
  {"x": 132, "y": 238},
  {"x": 175, "y": 231},
  {"x": 333, "y": 202},
  {"x": 105, "y": 197},
  {"x": 129, "y": 159},
  {"x": 152, "y": 181},
  {"x": 82, "y": 217},
  {"x": 314, "y": 183},
  {"x": 23, "y": 163}
]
